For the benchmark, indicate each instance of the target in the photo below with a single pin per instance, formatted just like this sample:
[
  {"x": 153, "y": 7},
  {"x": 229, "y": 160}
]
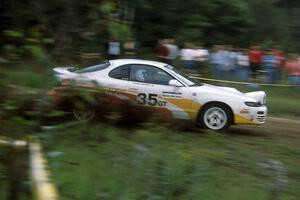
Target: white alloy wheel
[
  {"x": 83, "y": 111},
  {"x": 215, "y": 118}
]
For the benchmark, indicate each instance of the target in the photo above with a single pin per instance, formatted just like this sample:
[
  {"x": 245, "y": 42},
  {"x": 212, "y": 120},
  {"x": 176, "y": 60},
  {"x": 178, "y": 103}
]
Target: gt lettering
[{"x": 162, "y": 103}]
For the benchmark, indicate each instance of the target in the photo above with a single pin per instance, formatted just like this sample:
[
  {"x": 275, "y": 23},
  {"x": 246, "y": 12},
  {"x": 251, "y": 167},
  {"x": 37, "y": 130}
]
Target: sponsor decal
[
  {"x": 245, "y": 111},
  {"x": 171, "y": 95}
]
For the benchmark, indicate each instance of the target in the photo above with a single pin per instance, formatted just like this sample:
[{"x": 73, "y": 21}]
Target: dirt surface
[{"x": 273, "y": 126}]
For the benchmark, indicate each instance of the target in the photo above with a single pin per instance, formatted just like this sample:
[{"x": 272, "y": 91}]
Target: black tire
[
  {"x": 83, "y": 111},
  {"x": 215, "y": 116}
]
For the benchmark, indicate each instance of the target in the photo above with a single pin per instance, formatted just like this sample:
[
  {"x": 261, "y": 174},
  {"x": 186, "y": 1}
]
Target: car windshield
[
  {"x": 93, "y": 68},
  {"x": 184, "y": 78}
]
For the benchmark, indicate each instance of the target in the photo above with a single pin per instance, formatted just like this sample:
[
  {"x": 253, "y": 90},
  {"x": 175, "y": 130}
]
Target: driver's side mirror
[{"x": 175, "y": 83}]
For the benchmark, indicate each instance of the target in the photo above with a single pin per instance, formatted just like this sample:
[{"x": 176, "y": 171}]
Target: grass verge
[
  {"x": 105, "y": 162},
  {"x": 14, "y": 173}
]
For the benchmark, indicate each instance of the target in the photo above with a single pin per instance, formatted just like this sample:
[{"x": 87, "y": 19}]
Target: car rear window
[
  {"x": 122, "y": 72},
  {"x": 94, "y": 68}
]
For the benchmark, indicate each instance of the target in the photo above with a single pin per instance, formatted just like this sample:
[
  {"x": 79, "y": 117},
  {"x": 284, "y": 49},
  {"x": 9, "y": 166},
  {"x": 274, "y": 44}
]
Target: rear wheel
[
  {"x": 216, "y": 117},
  {"x": 83, "y": 111}
]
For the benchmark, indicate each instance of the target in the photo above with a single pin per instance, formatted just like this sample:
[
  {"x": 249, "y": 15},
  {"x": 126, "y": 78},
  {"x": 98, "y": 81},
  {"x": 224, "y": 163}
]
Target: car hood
[
  {"x": 259, "y": 96},
  {"x": 226, "y": 90}
]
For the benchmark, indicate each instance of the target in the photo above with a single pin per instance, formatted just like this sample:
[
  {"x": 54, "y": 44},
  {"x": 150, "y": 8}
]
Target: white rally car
[{"x": 161, "y": 87}]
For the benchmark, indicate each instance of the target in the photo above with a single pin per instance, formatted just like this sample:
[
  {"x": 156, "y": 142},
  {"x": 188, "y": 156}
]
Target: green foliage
[
  {"x": 28, "y": 46},
  {"x": 118, "y": 30},
  {"x": 48, "y": 41},
  {"x": 14, "y": 174},
  {"x": 64, "y": 28},
  {"x": 270, "y": 24},
  {"x": 13, "y": 34},
  {"x": 36, "y": 51},
  {"x": 24, "y": 77},
  {"x": 209, "y": 21},
  {"x": 237, "y": 22},
  {"x": 107, "y": 7}
]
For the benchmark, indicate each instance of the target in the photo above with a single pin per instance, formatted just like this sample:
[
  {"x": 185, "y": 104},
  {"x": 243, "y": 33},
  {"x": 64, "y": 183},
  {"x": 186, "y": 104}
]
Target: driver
[{"x": 141, "y": 75}]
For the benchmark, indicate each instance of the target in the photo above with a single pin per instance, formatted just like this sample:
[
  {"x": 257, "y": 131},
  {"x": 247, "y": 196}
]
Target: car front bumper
[{"x": 251, "y": 115}]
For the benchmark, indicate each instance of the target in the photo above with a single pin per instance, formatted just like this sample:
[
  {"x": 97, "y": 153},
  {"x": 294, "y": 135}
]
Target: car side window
[
  {"x": 150, "y": 74},
  {"x": 122, "y": 72}
]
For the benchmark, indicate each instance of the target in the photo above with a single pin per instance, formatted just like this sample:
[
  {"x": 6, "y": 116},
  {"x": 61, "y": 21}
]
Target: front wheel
[{"x": 216, "y": 117}]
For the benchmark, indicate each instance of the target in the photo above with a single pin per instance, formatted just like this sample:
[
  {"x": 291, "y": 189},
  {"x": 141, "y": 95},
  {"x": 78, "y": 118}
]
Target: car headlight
[
  {"x": 265, "y": 99},
  {"x": 253, "y": 104}
]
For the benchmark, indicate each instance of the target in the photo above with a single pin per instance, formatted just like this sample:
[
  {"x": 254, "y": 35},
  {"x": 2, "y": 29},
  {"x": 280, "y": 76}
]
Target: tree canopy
[{"x": 55, "y": 27}]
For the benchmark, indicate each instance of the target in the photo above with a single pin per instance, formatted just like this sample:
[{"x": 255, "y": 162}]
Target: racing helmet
[{"x": 140, "y": 75}]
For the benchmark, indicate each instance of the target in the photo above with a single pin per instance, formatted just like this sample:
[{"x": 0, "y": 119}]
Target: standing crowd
[
  {"x": 228, "y": 62},
  {"x": 225, "y": 61}
]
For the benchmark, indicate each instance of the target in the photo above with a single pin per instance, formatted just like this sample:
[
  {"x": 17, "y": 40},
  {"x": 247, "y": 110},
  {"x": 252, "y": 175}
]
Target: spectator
[
  {"x": 186, "y": 55},
  {"x": 200, "y": 55},
  {"x": 231, "y": 61},
  {"x": 162, "y": 51},
  {"x": 129, "y": 48},
  {"x": 113, "y": 49},
  {"x": 215, "y": 61},
  {"x": 293, "y": 67},
  {"x": 224, "y": 62},
  {"x": 173, "y": 50},
  {"x": 281, "y": 62},
  {"x": 255, "y": 56},
  {"x": 270, "y": 63},
  {"x": 243, "y": 66}
]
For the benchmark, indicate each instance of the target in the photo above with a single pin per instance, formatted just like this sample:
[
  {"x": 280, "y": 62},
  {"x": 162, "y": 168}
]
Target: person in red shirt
[
  {"x": 162, "y": 51},
  {"x": 280, "y": 57},
  {"x": 293, "y": 67},
  {"x": 255, "y": 58}
]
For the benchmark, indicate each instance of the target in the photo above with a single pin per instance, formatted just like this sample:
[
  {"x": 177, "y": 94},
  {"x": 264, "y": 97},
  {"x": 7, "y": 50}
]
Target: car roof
[{"x": 137, "y": 61}]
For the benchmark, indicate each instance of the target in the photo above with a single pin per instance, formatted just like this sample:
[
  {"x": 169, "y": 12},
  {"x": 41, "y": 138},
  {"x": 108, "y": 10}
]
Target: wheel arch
[{"x": 219, "y": 103}]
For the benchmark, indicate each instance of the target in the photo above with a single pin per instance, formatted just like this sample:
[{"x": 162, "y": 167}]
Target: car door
[{"x": 152, "y": 89}]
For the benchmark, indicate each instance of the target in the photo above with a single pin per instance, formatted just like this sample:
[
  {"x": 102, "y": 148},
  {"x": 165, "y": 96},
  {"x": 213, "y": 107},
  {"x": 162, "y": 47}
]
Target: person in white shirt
[
  {"x": 173, "y": 50},
  {"x": 201, "y": 54},
  {"x": 113, "y": 49},
  {"x": 187, "y": 56}
]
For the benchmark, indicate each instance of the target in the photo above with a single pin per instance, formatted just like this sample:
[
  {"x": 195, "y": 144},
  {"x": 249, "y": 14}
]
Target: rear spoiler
[{"x": 64, "y": 72}]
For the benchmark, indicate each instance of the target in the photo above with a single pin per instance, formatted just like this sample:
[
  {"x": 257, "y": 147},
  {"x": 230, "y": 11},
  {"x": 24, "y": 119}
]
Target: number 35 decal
[{"x": 150, "y": 99}]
